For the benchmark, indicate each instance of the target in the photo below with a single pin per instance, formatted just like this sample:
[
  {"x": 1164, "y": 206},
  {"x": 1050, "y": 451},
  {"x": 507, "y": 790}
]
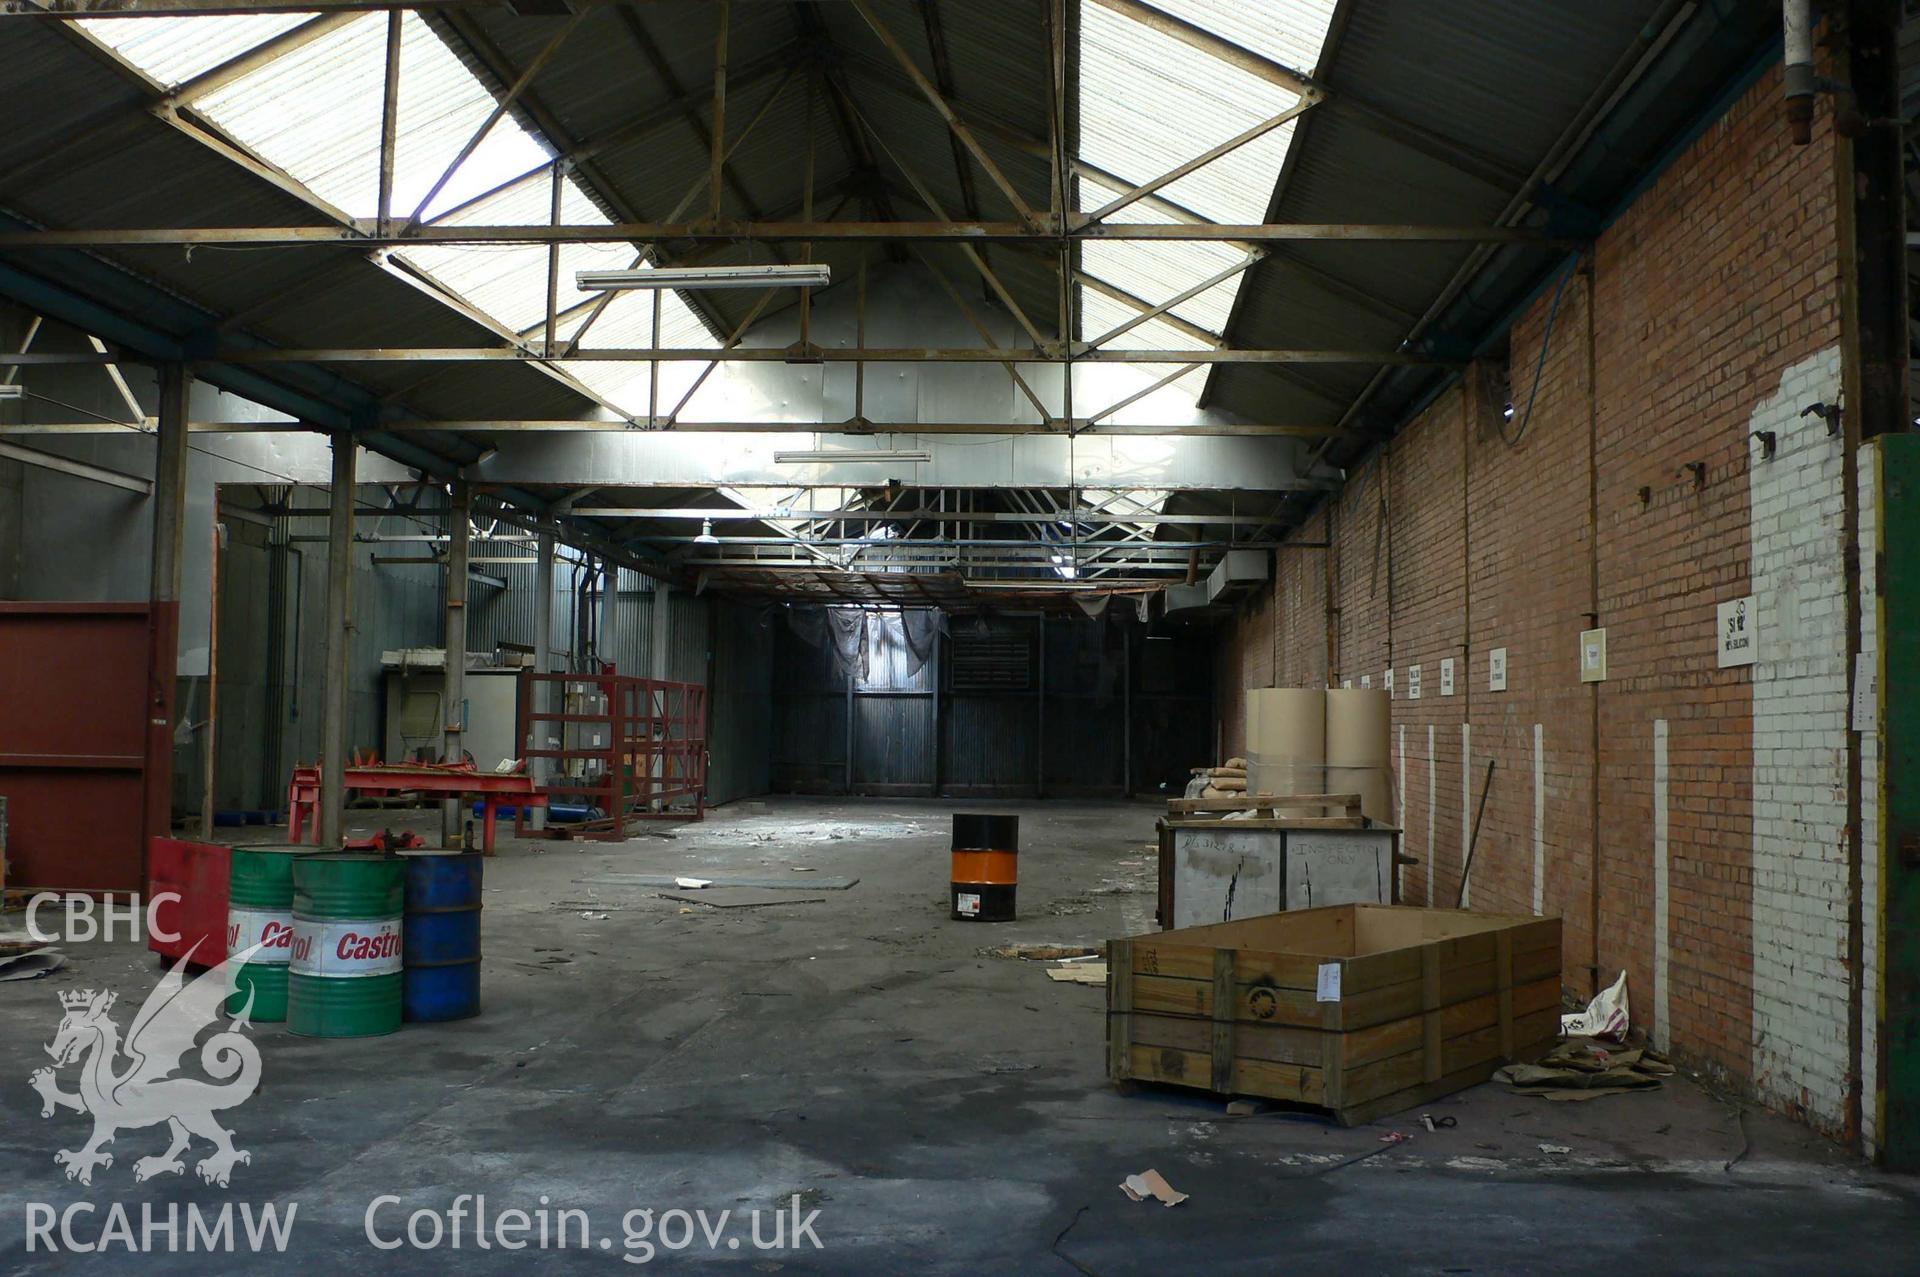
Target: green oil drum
[
  {"x": 344, "y": 978},
  {"x": 260, "y": 912}
]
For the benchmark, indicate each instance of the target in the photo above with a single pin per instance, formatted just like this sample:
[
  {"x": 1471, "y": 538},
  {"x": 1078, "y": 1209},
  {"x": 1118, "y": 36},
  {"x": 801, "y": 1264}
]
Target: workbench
[{"x": 495, "y": 790}]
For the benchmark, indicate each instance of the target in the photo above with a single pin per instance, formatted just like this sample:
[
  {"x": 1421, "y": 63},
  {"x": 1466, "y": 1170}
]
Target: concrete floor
[{"x": 944, "y": 1111}]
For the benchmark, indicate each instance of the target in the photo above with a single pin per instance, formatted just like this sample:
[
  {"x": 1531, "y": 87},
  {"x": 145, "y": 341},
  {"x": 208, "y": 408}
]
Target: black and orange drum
[{"x": 986, "y": 866}]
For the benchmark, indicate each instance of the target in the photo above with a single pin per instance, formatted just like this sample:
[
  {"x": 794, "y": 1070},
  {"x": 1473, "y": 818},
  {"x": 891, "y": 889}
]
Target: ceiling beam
[
  {"x": 362, "y": 233},
  {"x": 777, "y": 355}
]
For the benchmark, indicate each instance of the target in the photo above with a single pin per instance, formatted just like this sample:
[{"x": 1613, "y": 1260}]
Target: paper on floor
[{"x": 1151, "y": 1184}]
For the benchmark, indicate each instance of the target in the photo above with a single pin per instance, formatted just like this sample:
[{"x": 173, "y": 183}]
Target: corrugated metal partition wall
[
  {"x": 740, "y": 705},
  {"x": 1106, "y": 708}
]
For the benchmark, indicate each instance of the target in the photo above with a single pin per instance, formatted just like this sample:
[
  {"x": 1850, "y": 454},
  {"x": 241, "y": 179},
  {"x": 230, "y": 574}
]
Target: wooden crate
[{"x": 1429, "y": 1001}]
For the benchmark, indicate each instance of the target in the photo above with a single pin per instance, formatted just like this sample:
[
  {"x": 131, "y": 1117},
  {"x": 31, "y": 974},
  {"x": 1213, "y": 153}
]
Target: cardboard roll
[{"x": 978, "y": 831}]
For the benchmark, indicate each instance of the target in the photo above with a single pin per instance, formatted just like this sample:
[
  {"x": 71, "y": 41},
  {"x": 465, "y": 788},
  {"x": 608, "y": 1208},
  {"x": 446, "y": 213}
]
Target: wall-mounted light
[
  {"x": 1769, "y": 442},
  {"x": 829, "y": 455},
  {"x": 1698, "y": 469},
  {"x": 706, "y": 536}
]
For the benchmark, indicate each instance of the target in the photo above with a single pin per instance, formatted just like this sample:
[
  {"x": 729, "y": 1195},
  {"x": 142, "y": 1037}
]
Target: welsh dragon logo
[{"x": 126, "y": 1086}]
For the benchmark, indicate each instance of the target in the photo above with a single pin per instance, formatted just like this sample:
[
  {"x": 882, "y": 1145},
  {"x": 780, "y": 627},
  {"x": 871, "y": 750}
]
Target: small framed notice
[
  {"x": 1735, "y": 627},
  {"x": 1497, "y": 670},
  {"x": 1446, "y": 676},
  {"x": 1413, "y": 682}
]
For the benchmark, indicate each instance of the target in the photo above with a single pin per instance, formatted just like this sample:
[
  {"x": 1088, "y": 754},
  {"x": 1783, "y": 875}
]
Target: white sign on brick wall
[
  {"x": 1413, "y": 682},
  {"x": 1446, "y": 676},
  {"x": 1593, "y": 656},
  {"x": 1497, "y": 670},
  {"x": 1866, "y": 699},
  {"x": 1388, "y": 683},
  {"x": 1366, "y": 680},
  {"x": 1737, "y": 627}
]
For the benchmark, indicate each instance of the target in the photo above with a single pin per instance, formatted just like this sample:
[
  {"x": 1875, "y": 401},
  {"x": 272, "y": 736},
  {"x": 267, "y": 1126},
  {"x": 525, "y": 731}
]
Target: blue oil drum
[{"x": 441, "y": 958}]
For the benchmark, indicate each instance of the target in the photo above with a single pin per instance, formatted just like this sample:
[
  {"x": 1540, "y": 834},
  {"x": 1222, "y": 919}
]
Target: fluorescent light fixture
[
  {"x": 13, "y": 392},
  {"x": 706, "y": 536},
  {"x": 852, "y": 454},
  {"x": 795, "y": 276}
]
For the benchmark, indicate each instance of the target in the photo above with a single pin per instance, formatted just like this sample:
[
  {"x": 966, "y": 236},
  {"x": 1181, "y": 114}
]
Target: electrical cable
[{"x": 1540, "y": 364}]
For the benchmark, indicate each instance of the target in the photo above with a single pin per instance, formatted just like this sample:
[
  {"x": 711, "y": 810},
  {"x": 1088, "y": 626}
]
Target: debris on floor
[
  {"x": 1559, "y": 1150},
  {"x": 1395, "y": 1137},
  {"x": 1079, "y": 973},
  {"x": 1041, "y": 952},
  {"x": 1151, "y": 1183},
  {"x": 32, "y": 964},
  {"x": 1246, "y": 1108},
  {"x": 692, "y": 884},
  {"x": 741, "y": 898},
  {"x": 1583, "y": 1069},
  {"x": 1605, "y": 1016},
  {"x": 743, "y": 880}
]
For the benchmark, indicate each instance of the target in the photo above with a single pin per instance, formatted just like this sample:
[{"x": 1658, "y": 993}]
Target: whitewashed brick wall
[{"x": 1799, "y": 752}]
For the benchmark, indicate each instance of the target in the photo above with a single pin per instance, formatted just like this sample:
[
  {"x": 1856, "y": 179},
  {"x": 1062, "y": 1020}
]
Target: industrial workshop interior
[{"x": 959, "y": 636}]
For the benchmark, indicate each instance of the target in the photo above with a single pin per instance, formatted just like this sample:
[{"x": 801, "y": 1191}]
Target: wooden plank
[
  {"x": 1503, "y": 973},
  {"x": 1333, "y": 1069},
  {"x": 1431, "y": 1028},
  {"x": 1119, "y": 1008},
  {"x": 1277, "y": 1044},
  {"x": 1196, "y": 962},
  {"x": 1223, "y": 1005},
  {"x": 1247, "y": 1077},
  {"x": 1261, "y": 802}
]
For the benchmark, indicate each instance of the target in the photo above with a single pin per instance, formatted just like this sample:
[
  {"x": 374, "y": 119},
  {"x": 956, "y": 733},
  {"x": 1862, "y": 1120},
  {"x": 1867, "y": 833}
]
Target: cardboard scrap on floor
[
  {"x": 1079, "y": 973},
  {"x": 1151, "y": 1184},
  {"x": 1583, "y": 1069}
]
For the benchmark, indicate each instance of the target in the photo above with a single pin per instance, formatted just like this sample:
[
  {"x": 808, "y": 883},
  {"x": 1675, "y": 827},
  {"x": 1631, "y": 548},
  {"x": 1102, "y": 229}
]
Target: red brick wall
[{"x": 1721, "y": 276}]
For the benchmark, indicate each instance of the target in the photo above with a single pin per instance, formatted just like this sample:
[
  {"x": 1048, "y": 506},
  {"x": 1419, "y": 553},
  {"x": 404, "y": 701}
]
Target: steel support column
[
  {"x": 339, "y": 642},
  {"x": 542, "y": 656},
  {"x": 454, "y": 696}
]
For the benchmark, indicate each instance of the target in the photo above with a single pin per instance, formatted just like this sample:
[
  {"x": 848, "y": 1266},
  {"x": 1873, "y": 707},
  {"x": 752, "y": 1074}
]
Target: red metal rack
[{"x": 632, "y": 748}]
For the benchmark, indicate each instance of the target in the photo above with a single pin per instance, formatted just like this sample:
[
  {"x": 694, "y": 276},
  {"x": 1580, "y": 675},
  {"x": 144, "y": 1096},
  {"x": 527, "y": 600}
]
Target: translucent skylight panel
[
  {"x": 1290, "y": 32},
  {"x": 1148, "y": 104},
  {"x": 316, "y": 113},
  {"x": 174, "y": 50}
]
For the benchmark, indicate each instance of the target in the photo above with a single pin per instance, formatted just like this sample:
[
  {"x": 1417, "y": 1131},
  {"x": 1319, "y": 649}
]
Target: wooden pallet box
[{"x": 1363, "y": 1010}]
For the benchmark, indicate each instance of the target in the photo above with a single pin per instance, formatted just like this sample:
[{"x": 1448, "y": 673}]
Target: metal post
[
  {"x": 170, "y": 484},
  {"x": 608, "y": 632},
  {"x": 542, "y": 663},
  {"x": 658, "y": 705},
  {"x": 454, "y": 696},
  {"x": 1126, "y": 711},
  {"x": 169, "y": 519},
  {"x": 339, "y": 634},
  {"x": 1040, "y": 713},
  {"x": 207, "y": 759},
  {"x": 934, "y": 752}
]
